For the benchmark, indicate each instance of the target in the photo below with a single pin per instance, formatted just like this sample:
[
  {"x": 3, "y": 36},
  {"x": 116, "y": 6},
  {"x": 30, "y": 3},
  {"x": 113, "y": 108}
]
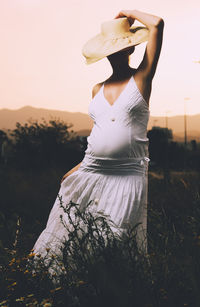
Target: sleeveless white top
[{"x": 120, "y": 130}]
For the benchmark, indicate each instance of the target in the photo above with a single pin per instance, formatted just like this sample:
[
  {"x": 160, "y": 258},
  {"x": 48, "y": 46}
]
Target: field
[{"x": 108, "y": 274}]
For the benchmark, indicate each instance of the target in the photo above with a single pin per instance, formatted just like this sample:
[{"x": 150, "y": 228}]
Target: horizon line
[{"x": 29, "y": 106}]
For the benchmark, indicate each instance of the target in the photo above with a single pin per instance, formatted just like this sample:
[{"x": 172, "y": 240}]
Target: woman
[{"x": 113, "y": 172}]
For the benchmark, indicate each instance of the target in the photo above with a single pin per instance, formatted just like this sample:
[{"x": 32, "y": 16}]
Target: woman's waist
[{"x": 113, "y": 164}]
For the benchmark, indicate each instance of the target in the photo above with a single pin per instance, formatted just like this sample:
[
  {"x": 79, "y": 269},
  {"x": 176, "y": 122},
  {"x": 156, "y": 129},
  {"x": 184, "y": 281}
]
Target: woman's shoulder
[{"x": 96, "y": 88}]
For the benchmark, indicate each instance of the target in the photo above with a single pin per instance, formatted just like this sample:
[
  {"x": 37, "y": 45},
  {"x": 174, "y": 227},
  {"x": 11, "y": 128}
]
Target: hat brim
[{"x": 98, "y": 47}]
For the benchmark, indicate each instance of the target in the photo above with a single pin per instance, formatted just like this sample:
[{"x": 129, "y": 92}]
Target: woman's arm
[
  {"x": 155, "y": 25},
  {"x": 148, "y": 20}
]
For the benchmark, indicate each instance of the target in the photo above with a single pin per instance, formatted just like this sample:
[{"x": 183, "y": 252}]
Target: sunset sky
[{"x": 41, "y": 64}]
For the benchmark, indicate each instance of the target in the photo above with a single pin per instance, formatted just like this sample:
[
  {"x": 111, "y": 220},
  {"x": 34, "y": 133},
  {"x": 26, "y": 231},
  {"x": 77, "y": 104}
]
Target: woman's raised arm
[{"x": 155, "y": 24}]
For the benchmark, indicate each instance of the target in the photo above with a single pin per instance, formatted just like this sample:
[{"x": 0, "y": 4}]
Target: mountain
[
  {"x": 82, "y": 123},
  {"x": 8, "y": 118}
]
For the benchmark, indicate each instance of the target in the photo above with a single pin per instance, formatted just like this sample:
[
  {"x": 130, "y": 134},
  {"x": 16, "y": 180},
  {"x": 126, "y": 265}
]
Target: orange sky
[{"x": 41, "y": 62}]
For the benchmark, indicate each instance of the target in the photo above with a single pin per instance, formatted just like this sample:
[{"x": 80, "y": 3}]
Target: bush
[{"x": 40, "y": 145}]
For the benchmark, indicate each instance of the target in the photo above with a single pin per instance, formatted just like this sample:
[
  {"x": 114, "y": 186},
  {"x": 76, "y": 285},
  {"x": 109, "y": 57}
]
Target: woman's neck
[{"x": 122, "y": 73}]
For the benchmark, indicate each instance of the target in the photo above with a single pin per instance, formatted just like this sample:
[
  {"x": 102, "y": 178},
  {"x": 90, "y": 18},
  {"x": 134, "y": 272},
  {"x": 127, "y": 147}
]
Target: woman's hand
[
  {"x": 66, "y": 175},
  {"x": 126, "y": 13},
  {"x": 149, "y": 20},
  {"x": 71, "y": 171}
]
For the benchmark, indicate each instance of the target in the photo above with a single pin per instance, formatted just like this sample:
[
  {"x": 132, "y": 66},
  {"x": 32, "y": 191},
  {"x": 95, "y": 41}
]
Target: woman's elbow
[{"x": 160, "y": 23}]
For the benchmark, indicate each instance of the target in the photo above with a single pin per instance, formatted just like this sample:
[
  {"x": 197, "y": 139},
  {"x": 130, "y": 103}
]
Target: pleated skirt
[{"x": 116, "y": 187}]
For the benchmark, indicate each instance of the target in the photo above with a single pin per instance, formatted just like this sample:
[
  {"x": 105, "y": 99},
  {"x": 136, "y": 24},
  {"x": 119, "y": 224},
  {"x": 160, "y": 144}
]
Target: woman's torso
[{"x": 120, "y": 129}]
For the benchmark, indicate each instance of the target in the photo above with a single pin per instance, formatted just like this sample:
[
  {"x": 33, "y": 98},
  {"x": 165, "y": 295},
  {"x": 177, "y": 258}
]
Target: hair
[
  {"x": 129, "y": 51},
  {"x": 132, "y": 49}
]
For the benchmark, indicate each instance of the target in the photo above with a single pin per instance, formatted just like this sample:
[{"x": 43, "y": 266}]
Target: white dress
[{"x": 114, "y": 171}]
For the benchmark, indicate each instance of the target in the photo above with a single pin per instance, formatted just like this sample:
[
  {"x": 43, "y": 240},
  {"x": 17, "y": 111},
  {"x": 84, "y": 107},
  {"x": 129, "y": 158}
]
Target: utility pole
[
  {"x": 166, "y": 118},
  {"x": 185, "y": 132},
  {"x": 185, "y": 122},
  {"x": 154, "y": 121}
]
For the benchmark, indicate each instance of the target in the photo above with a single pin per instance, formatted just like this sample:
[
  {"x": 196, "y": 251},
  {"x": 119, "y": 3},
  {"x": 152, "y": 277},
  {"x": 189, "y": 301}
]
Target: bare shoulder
[{"x": 96, "y": 88}]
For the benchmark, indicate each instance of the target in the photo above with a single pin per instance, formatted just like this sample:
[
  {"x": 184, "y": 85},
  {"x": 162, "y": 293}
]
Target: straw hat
[{"x": 116, "y": 34}]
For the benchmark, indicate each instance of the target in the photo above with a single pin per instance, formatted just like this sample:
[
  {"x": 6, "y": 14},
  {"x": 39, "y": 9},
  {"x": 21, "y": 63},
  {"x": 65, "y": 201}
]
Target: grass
[{"x": 98, "y": 268}]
